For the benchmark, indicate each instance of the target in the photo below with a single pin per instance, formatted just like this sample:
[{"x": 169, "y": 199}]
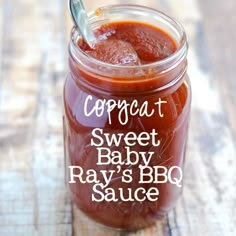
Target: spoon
[{"x": 80, "y": 19}]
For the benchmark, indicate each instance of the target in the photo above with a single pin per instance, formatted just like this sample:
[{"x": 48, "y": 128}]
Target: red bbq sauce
[{"x": 128, "y": 44}]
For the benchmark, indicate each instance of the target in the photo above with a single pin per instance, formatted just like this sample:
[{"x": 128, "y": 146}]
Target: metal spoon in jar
[{"x": 80, "y": 19}]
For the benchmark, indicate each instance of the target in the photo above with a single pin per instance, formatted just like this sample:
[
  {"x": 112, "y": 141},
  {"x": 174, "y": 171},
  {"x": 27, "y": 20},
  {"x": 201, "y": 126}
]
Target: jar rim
[{"x": 178, "y": 54}]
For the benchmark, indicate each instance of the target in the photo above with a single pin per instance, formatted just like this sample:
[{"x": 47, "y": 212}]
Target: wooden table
[{"x": 33, "y": 66}]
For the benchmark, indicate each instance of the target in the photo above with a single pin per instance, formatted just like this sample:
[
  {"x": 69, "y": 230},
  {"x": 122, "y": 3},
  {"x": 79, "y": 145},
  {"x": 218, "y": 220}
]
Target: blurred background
[{"x": 33, "y": 65}]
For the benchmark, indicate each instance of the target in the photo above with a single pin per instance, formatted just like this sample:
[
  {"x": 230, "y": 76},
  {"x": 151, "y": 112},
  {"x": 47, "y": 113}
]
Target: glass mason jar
[{"x": 125, "y": 127}]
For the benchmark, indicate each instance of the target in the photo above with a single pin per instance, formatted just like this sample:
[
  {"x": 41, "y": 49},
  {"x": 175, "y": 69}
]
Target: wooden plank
[
  {"x": 211, "y": 148},
  {"x": 33, "y": 199},
  {"x": 204, "y": 204},
  {"x": 221, "y": 36},
  {"x": 1, "y": 46},
  {"x": 33, "y": 57}
]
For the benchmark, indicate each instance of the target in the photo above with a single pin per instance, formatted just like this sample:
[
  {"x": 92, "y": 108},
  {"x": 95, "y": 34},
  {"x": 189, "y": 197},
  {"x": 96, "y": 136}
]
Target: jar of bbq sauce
[{"x": 126, "y": 114}]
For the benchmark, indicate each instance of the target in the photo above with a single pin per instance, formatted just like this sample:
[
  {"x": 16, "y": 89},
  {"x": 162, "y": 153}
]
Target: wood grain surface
[{"x": 33, "y": 66}]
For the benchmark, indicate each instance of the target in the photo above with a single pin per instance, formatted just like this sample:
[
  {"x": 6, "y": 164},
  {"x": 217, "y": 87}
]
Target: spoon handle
[{"x": 80, "y": 19}]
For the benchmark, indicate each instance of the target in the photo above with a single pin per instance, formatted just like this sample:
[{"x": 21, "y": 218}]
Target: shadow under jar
[{"x": 125, "y": 126}]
